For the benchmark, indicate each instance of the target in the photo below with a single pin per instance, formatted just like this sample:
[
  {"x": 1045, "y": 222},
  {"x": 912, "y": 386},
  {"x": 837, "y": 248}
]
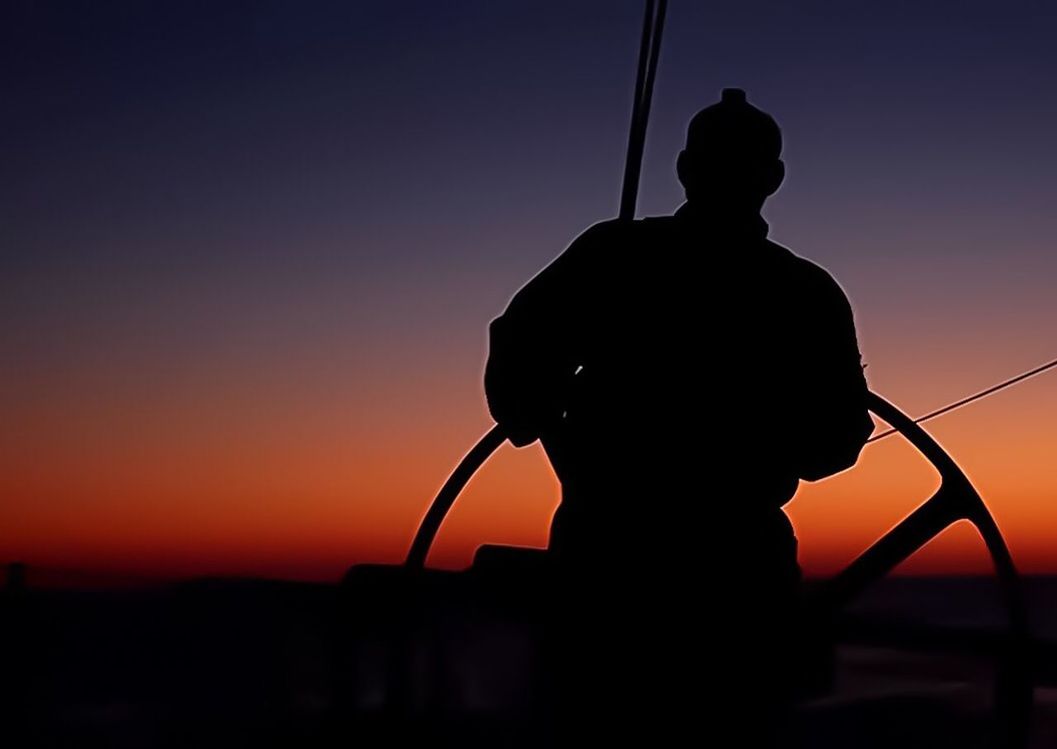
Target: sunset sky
[{"x": 249, "y": 252}]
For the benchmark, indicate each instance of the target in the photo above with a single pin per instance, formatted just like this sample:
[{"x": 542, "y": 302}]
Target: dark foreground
[{"x": 233, "y": 663}]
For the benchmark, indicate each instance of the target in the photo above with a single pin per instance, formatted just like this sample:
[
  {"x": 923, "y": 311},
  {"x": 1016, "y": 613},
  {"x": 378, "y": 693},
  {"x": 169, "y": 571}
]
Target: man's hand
[
  {"x": 526, "y": 389},
  {"x": 535, "y": 346},
  {"x": 830, "y": 388}
]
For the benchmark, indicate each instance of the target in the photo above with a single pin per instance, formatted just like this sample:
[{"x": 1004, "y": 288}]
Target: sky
[{"x": 249, "y": 252}]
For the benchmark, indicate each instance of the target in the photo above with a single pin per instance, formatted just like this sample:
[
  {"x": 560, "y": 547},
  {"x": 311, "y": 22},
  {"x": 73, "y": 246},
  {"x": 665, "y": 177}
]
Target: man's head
[{"x": 732, "y": 155}]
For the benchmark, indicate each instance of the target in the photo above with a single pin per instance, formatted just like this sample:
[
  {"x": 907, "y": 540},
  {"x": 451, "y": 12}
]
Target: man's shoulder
[
  {"x": 615, "y": 229},
  {"x": 806, "y": 273},
  {"x": 616, "y": 238}
]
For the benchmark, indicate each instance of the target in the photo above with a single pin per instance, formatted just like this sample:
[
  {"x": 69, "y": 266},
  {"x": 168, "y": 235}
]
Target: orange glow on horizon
[{"x": 273, "y": 479}]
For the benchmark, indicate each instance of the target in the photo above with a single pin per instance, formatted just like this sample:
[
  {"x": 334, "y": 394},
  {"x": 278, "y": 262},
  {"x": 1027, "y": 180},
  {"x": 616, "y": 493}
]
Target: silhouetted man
[{"x": 684, "y": 373}]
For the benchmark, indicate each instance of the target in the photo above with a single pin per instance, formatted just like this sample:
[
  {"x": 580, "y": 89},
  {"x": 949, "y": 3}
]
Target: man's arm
[
  {"x": 532, "y": 351},
  {"x": 832, "y": 388}
]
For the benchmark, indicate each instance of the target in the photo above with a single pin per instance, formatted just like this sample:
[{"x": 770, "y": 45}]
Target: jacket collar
[{"x": 751, "y": 225}]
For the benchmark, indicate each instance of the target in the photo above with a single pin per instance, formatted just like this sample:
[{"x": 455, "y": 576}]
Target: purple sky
[{"x": 347, "y": 193}]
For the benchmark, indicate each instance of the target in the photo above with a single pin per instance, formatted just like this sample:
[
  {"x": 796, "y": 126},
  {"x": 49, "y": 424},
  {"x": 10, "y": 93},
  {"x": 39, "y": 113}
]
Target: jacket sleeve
[
  {"x": 532, "y": 348},
  {"x": 831, "y": 390}
]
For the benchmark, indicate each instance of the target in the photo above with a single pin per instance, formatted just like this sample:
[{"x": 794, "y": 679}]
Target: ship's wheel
[{"x": 955, "y": 500}]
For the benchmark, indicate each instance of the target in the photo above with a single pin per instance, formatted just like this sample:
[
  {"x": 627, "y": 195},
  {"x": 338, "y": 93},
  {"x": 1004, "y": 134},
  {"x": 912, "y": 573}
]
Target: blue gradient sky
[{"x": 250, "y": 250}]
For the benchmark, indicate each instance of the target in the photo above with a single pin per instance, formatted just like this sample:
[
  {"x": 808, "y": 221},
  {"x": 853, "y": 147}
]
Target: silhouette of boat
[{"x": 396, "y": 619}]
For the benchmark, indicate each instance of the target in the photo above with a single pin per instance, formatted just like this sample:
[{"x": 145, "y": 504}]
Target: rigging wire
[
  {"x": 974, "y": 397},
  {"x": 649, "y": 52}
]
